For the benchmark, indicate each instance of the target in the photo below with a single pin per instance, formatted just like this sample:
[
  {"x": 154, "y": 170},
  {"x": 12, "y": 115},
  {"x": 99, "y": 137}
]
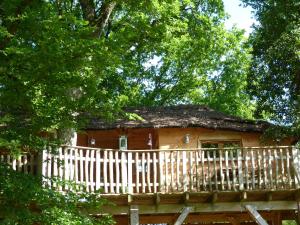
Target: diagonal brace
[
  {"x": 185, "y": 212},
  {"x": 255, "y": 215}
]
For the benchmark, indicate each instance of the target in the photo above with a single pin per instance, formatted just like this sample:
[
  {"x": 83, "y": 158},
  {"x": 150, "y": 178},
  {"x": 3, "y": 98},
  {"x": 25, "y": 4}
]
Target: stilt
[
  {"x": 255, "y": 215},
  {"x": 134, "y": 215},
  {"x": 298, "y": 213},
  {"x": 183, "y": 215}
]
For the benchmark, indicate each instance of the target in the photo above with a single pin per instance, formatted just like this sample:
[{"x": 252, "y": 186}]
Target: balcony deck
[
  {"x": 165, "y": 181},
  {"x": 175, "y": 170}
]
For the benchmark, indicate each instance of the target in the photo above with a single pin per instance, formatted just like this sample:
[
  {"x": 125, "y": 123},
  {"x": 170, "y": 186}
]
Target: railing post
[
  {"x": 161, "y": 175},
  {"x": 295, "y": 164},
  {"x": 240, "y": 170},
  {"x": 124, "y": 171},
  {"x": 130, "y": 189},
  {"x": 184, "y": 173},
  {"x": 42, "y": 165}
]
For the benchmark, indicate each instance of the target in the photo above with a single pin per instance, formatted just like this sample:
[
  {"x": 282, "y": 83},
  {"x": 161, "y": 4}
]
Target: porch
[
  {"x": 167, "y": 171},
  {"x": 228, "y": 185}
]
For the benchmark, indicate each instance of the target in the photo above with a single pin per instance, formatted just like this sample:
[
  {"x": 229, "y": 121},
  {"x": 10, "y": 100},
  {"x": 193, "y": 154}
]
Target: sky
[{"x": 238, "y": 15}]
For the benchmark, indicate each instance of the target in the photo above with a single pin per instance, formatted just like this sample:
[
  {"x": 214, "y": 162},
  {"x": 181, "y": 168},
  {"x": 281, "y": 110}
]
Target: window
[
  {"x": 123, "y": 142},
  {"x": 216, "y": 145}
]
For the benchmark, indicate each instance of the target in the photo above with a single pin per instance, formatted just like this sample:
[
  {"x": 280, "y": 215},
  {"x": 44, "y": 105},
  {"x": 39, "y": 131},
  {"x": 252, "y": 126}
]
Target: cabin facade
[{"x": 180, "y": 165}]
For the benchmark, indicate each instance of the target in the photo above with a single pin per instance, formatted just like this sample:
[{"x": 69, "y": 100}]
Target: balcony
[{"x": 166, "y": 171}]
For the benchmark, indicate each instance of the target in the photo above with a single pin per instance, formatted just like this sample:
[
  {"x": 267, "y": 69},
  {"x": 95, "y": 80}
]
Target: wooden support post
[
  {"x": 255, "y": 215},
  {"x": 185, "y": 212},
  {"x": 157, "y": 198},
  {"x": 276, "y": 217},
  {"x": 214, "y": 197},
  {"x": 243, "y": 196},
  {"x": 186, "y": 197},
  {"x": 270, "y": 196},
  {"x": 298, "y": 213},
  {"x": 134, "y": 215}
]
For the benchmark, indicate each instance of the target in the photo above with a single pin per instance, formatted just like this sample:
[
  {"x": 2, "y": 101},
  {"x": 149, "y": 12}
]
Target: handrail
[
  {"x": 166, "y": 170},
  {"x": 178, "y": 149}
]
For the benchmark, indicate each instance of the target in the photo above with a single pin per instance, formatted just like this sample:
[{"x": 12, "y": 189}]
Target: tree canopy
[
  {"x": 274, "y": 78},
  {"x": 62, "y": 58}
]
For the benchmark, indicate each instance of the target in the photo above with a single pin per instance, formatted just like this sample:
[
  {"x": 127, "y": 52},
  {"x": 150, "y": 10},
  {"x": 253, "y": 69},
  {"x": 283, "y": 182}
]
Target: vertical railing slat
[
  {"x": 258, "y": 153},
  {"x": 137, "y": 174},
  {"x": 276, "y": 168},
  {"x": 246, "y": 153},
  {"x": 154, "y": 173},
  {"x": 81, "y": 169},
  {"x": 233, "y": 169},
  {"x": 203, "y": 170},
  {"x": 86, "y": 169},
  {"x": 264, "y": 168},
  {"x": 124, "y": 172},
  {"x": 166, "y": 172},
  {"x": 98, "y": 170},
  {"x": 191, "y": 171},
  {"x": 227, "y": 171},
  {"x": 240, "y": 169},
  {"x": 161, "y": 177},
  {"x": 288, "y": 168},
  {"x": 270, "y": 167},
  {"x": 252, "y": 168},
  {"x": 111, "y": 172},
  {"x": 143, "y": 173},
  {"x": 221, "y": 169},
  {"x": 129, "y": 162},
  {"x": 184, "y": 173},
  {"x": 148, "y": 172},
  {"x": 215, "y": 169},
  {"x": 92, "y": 159},
  {"x": 172, "y": 170},
  {"x": 178, "y": 170},
  {"x": 117, "y": 167},
  {"x": 105, "y": 174}
]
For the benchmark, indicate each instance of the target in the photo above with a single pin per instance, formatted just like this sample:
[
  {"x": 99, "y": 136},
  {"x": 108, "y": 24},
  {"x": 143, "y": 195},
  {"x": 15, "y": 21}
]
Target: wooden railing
[{"x": 170, "y": 171}]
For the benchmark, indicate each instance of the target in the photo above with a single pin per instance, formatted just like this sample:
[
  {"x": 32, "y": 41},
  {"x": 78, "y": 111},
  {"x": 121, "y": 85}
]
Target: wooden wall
[
  {"x": 168, "y": 138},
  {"x": 137, "y": 138}
]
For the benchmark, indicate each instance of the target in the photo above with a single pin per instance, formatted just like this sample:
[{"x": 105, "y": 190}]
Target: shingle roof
[{"x": 181, "y": 116}]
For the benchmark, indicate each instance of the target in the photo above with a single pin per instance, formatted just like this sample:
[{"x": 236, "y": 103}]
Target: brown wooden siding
[{"x": 136, "y": 138}]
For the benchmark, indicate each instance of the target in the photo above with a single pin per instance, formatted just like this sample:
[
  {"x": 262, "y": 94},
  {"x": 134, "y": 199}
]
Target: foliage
[
  {"x": 25, "y": 201},
  {"x": 274, "y": 79},
  {"x": 61, "y": 61},
  {"x": 61, "y": 58},
  {"x": 225, "y": 88}
]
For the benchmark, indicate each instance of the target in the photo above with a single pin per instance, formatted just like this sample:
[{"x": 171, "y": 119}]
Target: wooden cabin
[{"x": 185, "y": 164}]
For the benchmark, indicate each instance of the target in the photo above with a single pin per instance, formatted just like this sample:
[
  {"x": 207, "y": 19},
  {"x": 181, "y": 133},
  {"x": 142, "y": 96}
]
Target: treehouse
[{"x": 181, "y": 164}]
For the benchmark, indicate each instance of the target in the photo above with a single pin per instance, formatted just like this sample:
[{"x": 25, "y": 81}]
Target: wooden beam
[
  {"x": 255, "y": 215},
  {"x": 198, "y": 207},
  {"x": 206, "y": 218},
  {"x": 185, "y": 212},
  {"x": 134, "y": 215}
]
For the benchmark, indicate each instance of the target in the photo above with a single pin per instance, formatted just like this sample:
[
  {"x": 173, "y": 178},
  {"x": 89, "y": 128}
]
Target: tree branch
[
  {"x": 88, "y": 10},
  {"x": 105, "y": 12},
  {"x": 13, "y": 27}
]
